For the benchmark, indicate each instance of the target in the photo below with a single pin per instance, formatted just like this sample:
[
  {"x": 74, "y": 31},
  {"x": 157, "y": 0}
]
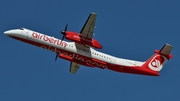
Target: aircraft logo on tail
[{"x": 157, "y": 62}]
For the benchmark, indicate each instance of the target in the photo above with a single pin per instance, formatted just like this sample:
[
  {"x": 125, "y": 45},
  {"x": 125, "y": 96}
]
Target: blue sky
[{"x": 127, "y": 28}]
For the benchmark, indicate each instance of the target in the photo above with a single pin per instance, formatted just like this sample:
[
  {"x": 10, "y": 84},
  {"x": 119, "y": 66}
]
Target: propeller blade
[
  {"x": 66, "y": 27},
  {"x": 64, "y": 32},
  {"x": 63, "y": 38},
  {"x": 56, "y": 56}
]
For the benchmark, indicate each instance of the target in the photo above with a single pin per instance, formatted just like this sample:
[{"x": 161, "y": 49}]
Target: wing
[
  {"x": 88, "y": 28},
  {"x": 74, "y": 67}
]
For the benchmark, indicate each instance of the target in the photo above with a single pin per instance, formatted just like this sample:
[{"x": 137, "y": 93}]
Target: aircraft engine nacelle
[{"x": 85, "y": 41}]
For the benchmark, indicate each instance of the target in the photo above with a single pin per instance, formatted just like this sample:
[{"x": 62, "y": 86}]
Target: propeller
[{"x": 64, "y": 34}]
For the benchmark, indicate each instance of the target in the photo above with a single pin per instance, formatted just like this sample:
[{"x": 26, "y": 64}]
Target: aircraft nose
[{"x": 9, "y": 32}]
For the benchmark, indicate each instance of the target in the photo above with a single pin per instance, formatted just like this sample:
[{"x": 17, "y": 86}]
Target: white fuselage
[{"x": 51, "y": 43}]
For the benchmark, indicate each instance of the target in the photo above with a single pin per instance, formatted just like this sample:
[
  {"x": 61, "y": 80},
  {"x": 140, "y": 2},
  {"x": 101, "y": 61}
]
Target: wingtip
[{"x": 93, "y": 13}]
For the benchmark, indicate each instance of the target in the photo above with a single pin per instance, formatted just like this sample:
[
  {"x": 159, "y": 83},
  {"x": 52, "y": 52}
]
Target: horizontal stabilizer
[{"x": 166, "y": 49}]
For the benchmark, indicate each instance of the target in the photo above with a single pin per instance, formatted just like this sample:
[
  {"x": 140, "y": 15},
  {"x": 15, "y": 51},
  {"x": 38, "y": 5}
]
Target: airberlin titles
[{"x": 49, "y": 39}]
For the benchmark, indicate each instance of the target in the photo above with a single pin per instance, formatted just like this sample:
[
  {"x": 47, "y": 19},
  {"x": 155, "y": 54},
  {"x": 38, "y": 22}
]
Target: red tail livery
[{"x": 159, "y": 59}]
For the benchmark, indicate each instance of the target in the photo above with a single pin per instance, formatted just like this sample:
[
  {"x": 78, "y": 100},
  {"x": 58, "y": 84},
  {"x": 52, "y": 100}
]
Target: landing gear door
[{"x": 28, "y": 34}]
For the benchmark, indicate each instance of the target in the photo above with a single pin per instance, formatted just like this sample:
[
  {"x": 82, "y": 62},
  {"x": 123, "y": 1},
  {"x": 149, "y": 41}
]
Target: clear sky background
[{"x": 127, "y": 28}]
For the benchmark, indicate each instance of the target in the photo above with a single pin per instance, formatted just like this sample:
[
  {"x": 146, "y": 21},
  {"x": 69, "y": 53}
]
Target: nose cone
[{"x": 9, "y": 32}]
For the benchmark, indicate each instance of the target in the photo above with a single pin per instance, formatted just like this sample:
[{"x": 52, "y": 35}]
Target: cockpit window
[{"x": 21, "y": 28}]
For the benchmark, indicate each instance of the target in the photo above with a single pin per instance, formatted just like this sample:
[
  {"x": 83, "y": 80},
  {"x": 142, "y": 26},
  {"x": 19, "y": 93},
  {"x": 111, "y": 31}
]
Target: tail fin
[{"x": 159, "y": 59}]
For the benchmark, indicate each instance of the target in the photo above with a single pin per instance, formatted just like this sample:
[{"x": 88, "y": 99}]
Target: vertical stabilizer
[{"x": 159, "y": 59}]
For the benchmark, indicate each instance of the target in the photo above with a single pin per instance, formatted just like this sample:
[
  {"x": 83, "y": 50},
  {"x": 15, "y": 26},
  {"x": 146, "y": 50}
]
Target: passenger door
[{"x": 112, "y": 60}]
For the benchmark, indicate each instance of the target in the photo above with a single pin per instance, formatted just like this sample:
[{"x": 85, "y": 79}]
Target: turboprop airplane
[{"x": 81, "y": 51}]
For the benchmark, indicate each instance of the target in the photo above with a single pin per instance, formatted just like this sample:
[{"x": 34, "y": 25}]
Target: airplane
[{"x": 81, "y": 51}]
